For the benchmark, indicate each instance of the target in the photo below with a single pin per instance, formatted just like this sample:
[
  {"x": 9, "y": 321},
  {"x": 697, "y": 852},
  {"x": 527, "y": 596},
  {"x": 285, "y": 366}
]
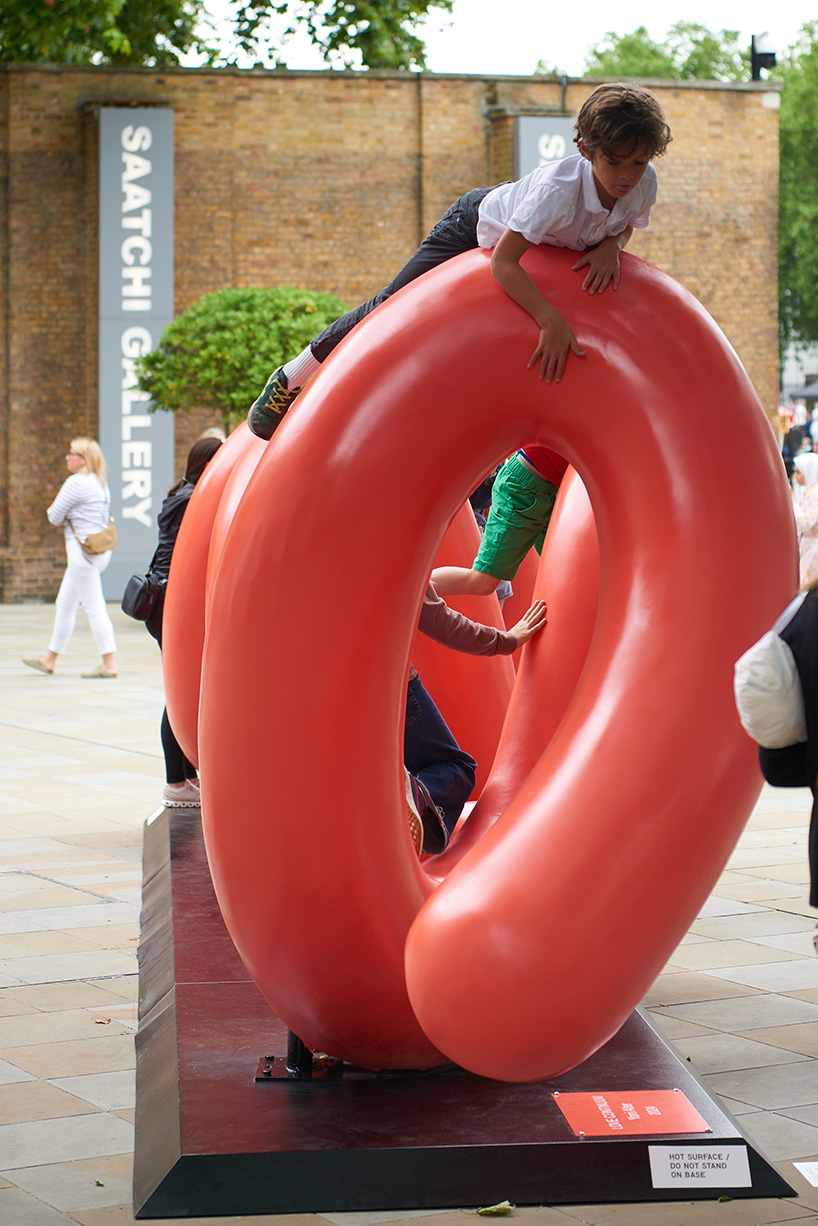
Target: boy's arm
[
  {"x": 452, "y": 629},
  {"x": 556, "y": 338},
  {"x": 455, "y": 630},
  {"x": 602, "y": 262}
]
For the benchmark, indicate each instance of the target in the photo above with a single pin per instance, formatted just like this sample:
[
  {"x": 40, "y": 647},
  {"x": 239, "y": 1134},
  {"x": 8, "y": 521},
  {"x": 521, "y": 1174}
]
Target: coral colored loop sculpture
[
  {"x": 195, "y": 557},
  {"x": 530, "y": 950}
]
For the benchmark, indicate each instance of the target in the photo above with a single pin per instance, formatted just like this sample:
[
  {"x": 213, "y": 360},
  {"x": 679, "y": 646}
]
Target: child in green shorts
[{"x": 522, "y": 500}]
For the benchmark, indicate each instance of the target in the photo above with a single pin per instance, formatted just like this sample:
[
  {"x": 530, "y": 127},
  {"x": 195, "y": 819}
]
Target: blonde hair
[{"x": 92, "y": 456}]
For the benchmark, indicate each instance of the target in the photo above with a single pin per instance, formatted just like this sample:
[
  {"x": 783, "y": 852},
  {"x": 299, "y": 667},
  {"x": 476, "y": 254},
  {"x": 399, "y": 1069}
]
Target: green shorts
[{"x": 521, "y": 506}]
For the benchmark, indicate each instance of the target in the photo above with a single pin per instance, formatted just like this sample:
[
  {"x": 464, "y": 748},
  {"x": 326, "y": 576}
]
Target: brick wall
[{"x": 325, "y": 180}]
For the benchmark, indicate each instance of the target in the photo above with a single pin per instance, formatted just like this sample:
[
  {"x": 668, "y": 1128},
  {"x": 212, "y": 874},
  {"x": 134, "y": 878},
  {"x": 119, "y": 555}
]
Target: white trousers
[{"x": 82, "y": 585}]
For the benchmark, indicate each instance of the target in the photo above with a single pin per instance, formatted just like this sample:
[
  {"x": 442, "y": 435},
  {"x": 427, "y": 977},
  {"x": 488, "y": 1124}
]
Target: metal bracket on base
[
  {"x": 314, "y": 1069},
  {"x": 299, "y": 1065}
]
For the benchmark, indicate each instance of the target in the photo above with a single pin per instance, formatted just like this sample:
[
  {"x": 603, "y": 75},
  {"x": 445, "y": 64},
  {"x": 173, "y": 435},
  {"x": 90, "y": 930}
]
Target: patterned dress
[{"x": 806, "y": 521}]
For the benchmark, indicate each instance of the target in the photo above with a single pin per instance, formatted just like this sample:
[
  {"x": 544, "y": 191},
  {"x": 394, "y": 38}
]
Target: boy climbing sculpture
[{"x": 590, "y": 202}]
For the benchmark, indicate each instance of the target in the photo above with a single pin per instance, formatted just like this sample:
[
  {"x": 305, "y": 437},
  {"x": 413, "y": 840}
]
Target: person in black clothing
[
  {"x": 791, "y": 446},
  {"x": 182, "y": 786},
  {"x": 797, "y": 765}
]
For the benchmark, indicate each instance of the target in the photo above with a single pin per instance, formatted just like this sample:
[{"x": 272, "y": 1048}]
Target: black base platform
[{"x": 211, "y": 1139}]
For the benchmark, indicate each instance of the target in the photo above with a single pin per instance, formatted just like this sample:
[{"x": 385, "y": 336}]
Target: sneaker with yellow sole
[{"x": 266, "y": 412}]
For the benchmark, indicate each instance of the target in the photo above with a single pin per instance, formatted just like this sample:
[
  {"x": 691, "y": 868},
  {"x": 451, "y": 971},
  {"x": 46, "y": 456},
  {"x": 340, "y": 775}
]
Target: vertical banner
[
  {"x": 135, "y": 305},
  {"x": 539, "y": 139}
]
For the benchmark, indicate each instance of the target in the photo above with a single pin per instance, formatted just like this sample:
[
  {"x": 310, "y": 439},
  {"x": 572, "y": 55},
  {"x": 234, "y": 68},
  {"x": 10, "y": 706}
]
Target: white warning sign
[{"x": 684, "y": 1166}]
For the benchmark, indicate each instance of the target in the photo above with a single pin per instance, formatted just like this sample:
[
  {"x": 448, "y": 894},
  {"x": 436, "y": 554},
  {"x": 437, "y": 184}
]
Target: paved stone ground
[{"x": 80, "y": 771}]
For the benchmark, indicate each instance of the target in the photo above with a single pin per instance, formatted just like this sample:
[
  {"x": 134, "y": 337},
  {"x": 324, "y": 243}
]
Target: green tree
[
  {"x": 219, "y": 353},
  {"x": 688, "y": 51},
  {"x": 349, "y": 33},
  {"x": 798, "y": 190},
  {"x": 629, "y": 55},
  {"x": 97, "y": 31},
  {"x": 707, "y": 56}
]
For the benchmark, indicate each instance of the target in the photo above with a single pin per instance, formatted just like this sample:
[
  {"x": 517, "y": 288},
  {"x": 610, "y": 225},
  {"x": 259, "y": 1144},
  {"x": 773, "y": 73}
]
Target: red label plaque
[{"x": 638, "y": 1113}]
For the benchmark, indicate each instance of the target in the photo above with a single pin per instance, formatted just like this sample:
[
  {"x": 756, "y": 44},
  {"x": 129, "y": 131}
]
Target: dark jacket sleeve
[
  {"x": 169, "y": 521},
  {"x": 788, "y": 767},
  {"x": 452, "y": 629}
]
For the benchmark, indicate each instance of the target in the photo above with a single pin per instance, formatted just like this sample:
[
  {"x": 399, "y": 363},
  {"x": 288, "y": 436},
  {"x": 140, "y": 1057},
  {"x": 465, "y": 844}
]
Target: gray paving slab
[{"x": 744, "y": 1012}]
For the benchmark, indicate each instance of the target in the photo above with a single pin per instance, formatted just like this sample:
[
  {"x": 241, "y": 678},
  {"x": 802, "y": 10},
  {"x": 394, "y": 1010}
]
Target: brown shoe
[
  {"x": 32, "y": 662},
  {"x": 435, "y": 836},
  {"x": 415, "y": 825}
]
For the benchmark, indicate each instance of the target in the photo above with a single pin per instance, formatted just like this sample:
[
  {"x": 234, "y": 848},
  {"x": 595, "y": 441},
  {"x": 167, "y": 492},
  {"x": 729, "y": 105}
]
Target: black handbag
[{"x": 140, "y": 596}]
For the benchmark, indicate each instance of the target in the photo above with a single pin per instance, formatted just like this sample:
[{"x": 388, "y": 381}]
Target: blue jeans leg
[{"x": 431, "y": 753}]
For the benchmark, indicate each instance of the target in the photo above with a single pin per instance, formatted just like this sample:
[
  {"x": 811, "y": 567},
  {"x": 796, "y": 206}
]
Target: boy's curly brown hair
[{"x": 617, "y": 118}]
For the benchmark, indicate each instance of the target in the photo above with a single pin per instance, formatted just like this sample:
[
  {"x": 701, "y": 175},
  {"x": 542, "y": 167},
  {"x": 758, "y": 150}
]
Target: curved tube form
[
  {"x": 191, "y": 568},
  {"x": 534, "y": 948}
]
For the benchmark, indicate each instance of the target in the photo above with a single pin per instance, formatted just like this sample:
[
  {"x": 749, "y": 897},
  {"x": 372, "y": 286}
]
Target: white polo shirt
[{"x": 558, "y": 204}]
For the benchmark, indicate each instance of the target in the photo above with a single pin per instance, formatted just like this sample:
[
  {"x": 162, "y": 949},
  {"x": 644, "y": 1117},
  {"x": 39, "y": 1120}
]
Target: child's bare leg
[{"x": 463, "y": 581}]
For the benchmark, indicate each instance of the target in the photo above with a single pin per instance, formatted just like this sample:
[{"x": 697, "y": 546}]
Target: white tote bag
[{"x": 768, "y": 692}]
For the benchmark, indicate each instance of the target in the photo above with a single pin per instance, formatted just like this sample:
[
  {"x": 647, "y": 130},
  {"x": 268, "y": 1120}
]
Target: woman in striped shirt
[{"x": 82, "y": 506}]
